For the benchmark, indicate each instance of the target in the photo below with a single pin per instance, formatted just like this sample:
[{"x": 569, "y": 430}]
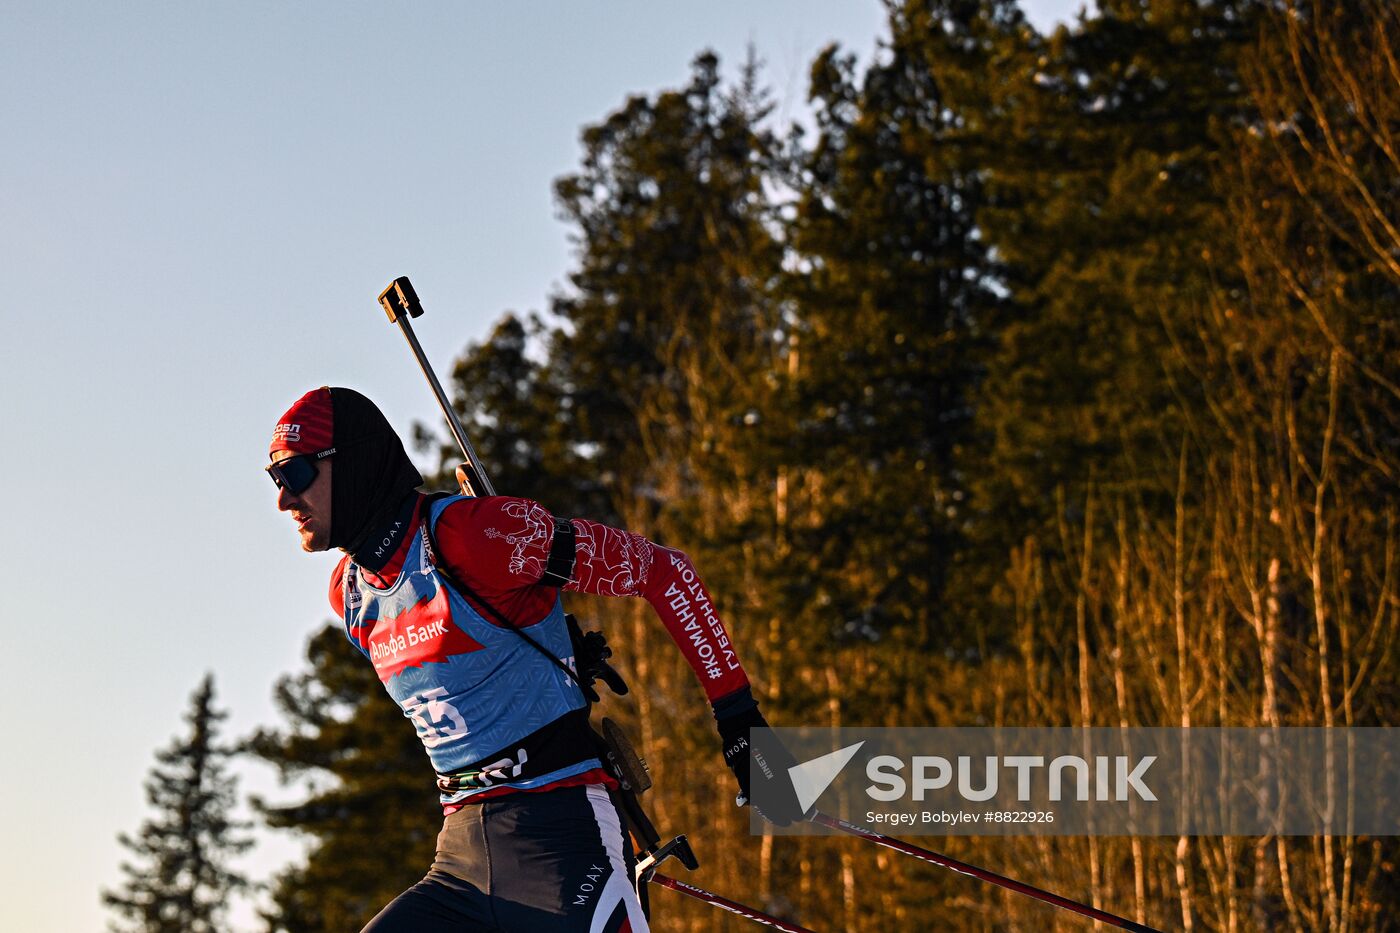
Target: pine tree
[
  {"x": 670, "y": 316},
  {"x": 894, "y": 293},
  {"x": 1102, "y": 208},
  {"x": 181, "y": 880}
]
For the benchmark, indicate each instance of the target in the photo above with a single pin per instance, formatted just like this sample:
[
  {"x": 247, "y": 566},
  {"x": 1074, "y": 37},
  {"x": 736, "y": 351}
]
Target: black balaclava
[{"x": 372, "y": 474}]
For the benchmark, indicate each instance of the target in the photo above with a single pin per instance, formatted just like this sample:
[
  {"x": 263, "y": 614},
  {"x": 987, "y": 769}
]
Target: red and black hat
[
  {"x": 372, "y": 475},
  {"x": 308, "y": 426}
]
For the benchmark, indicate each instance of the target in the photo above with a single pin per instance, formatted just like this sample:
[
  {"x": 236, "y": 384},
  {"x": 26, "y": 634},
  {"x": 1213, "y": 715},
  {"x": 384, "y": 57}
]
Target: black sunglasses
[{"x": 296, "y": 474}]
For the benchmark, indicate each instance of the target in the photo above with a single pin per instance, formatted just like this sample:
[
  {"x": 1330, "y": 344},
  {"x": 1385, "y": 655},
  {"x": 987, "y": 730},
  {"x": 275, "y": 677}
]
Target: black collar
[{"x": 381, "y": 544}]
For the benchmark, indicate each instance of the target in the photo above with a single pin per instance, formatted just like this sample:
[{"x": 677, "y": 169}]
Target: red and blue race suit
[{"x": 495, "y": 715}]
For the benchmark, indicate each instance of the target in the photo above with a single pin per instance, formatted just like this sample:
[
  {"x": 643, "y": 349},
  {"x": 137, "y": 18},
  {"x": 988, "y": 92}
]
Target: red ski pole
[
  {"x": 725, "y": 903},
  {"x": 981, "y": 874}
]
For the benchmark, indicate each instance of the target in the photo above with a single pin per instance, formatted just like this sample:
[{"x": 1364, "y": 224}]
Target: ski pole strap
[
  {"x": 734, "y": 907},
  {"x": 981, "y": 874}
]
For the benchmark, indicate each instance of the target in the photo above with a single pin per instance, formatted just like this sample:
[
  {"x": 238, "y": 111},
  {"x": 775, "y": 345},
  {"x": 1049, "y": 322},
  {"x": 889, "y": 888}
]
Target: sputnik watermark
[
  {"x": 1102, "y": 781},
  {"x": 934, "y": 773}
]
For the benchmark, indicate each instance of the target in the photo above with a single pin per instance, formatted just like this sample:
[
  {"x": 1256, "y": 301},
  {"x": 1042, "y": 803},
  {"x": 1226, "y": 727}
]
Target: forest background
[{"x": 1048, "y": 380}]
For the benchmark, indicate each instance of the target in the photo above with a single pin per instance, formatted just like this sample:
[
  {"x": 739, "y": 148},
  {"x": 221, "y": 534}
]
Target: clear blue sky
[{"x": 198, "y": 205}]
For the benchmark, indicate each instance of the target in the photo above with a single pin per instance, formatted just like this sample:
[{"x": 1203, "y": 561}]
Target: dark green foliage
[
  {"x": 1102, "y": 208},
  {"x": 894, "y": 292},
  {"x": 181, "y": 880},
  {"x": 669, "y": 321}
]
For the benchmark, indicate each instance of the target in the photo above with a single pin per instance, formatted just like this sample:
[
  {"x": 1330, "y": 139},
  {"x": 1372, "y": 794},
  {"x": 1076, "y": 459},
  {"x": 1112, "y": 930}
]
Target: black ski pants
[{"x": 551, "y": 861}]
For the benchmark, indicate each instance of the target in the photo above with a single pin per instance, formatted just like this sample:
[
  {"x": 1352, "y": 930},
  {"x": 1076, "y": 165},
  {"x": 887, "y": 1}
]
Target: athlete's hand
[{"x": 757, "y": 757}]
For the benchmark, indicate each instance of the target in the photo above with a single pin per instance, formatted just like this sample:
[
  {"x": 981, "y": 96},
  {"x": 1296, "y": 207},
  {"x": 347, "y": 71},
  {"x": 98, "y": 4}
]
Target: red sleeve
[
  {"x": 499, "y": 546},
  {"x": 610, "y": 562},
  {"x": 494, "y": 545}
]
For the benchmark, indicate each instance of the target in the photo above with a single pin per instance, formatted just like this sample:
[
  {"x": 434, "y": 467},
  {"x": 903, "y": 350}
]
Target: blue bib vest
[{"x": 491, "y": 710}]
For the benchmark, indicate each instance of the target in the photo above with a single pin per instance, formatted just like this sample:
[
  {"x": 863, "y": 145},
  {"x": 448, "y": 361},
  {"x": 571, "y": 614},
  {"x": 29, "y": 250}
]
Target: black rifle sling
[{"x": 589, "y": 693}]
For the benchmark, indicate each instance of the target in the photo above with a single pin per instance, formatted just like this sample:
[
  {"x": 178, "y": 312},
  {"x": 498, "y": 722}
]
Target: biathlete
[{"x": 428, "y": 591}]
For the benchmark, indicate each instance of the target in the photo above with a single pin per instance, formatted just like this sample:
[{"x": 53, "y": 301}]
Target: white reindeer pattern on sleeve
[
  {"x": 608, "y": 561},
  {"x": 516, "y": 535},
  {"x": 530, "y": 541}
]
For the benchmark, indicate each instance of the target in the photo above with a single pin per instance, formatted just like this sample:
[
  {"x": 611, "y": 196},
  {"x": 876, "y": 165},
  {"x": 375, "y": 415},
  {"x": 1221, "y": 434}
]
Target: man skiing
[{"x": 455, "y": 601}]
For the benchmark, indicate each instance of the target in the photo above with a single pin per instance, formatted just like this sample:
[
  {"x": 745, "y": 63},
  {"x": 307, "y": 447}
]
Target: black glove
[{"x": 760, "y": 755}]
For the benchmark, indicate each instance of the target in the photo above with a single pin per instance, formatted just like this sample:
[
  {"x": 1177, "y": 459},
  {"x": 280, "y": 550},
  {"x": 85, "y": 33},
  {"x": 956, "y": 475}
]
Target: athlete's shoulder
[
  {"x": 489, "y": 515},
  {"x": 496, "y": 540}
]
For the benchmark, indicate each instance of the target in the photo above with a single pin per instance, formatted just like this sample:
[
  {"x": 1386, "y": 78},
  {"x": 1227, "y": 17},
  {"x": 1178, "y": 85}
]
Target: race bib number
[{"x": 437, "y": 720}]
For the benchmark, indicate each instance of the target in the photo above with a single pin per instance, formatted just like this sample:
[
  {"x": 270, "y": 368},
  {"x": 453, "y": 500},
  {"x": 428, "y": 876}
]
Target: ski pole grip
[{"x": 400, "y": 298}]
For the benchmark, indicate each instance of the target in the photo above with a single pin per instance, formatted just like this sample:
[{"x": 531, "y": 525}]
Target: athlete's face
[{"x": 311, "y": 508}]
